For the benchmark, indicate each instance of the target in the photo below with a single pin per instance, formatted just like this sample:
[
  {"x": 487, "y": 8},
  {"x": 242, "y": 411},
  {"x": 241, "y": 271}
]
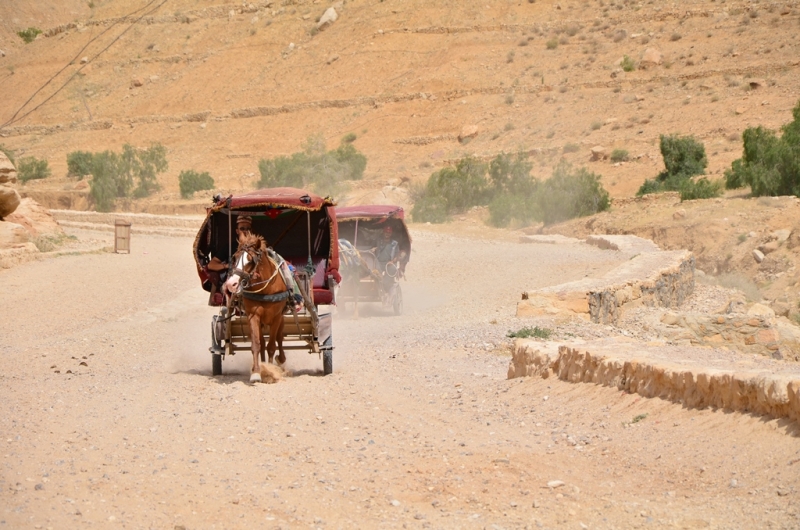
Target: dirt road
[{"x": 111, "y": 417}]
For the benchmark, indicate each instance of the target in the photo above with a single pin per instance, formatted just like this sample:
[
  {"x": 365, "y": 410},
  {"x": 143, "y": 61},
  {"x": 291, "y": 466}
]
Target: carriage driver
[
  {"x": 219, "y": 268},
  {"x": 387, "y": 250}
]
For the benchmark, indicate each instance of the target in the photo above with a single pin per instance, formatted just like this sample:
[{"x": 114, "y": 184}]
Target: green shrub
[
  {"x": 313, "y": 167},
  {"x": 349, "y": 138},
  {"x": 103, "y": 187},
  {"x": 31, "y": 168},
  {"x": 701, "y": 189},
  {"x": 552, "y": 44},
  {"x": 619, "y": 155},
  {"x": 131, "y": 173},
  {"x": 28, "y": 35},
  {"x": 9, "y": 153},
  {"x": 628, "y": 64},
  {"x": 571, "y": 148},
  {"x": 684, "y": 157},
  {"x": 770, "y": 165},
  {"x": 430, "y": 210},
  {"x": 571, "y": 193},
  {"x": 527, "y": 332},
  {"x": 191, "y": 181},
  {"x": 79, "y": 164}
]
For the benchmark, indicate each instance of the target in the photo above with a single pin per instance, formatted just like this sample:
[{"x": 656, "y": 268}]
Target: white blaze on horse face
[{"x": 232, "y": 284}]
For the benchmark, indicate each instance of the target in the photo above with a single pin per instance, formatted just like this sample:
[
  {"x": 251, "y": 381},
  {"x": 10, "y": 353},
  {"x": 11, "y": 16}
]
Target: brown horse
[{"x": 264, "y": 294}]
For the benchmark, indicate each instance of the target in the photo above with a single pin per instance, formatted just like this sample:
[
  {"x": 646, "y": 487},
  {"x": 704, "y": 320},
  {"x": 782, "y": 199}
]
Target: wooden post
[{"x": 122, "y": 236}]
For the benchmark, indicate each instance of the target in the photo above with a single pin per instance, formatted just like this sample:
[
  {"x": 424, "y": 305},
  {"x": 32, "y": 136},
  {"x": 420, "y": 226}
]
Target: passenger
[{"x": 388, "y": 251}]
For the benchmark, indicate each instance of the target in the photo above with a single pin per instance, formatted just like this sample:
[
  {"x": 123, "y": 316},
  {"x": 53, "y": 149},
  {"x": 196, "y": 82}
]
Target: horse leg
[
  {"x": 279, "y": 338},
  {"x": 256, "y": 344}
]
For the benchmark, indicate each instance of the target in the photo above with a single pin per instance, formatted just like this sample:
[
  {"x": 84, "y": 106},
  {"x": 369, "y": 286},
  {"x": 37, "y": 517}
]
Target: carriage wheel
[
  {"x": 216, "y": 364},
  {"x": 327, "y": 356},
  {"x": 397, "y": 303},
  {"x": 216, "y": 346}
]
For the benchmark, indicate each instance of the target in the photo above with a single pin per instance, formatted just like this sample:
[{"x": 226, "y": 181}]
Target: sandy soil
[{"x": 111, "y": 415}]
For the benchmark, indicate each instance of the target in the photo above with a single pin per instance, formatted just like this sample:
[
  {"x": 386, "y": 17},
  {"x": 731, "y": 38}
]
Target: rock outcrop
[{"x": 9, "y": 200}]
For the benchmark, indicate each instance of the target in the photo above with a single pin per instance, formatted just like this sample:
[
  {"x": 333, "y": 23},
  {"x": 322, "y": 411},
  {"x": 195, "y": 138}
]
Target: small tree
[
  {"x": 103, "y": 187},
  {"x": 79, "y": 164},
  {"x": 769, "y": 165},
  {"x": 31, "y": 168},
  {"x": 191, "y": 181},
  {"x": 140, "y": 167},
  {"x": 571, "y": 193},
  {"x": 684, "y": 157}
]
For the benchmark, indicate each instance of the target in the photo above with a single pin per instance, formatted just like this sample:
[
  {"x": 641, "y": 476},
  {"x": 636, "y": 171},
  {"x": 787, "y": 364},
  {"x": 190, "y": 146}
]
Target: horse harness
[{"x": 246, "y": 277}]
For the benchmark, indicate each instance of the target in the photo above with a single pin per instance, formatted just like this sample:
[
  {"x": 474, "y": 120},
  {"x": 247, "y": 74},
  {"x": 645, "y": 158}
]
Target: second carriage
[{"x": 374, "y": 249}]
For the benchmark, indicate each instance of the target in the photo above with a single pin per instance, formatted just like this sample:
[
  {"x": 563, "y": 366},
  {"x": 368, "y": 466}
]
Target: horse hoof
[{"x": 255, "y": 378}]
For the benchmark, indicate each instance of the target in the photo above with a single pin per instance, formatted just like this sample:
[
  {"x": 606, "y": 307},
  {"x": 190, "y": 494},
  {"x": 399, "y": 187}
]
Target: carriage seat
[{"x": 322, "y": 294}]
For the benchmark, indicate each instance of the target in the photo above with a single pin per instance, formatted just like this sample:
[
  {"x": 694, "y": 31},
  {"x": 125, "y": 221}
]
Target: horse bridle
[{"x": 246, "y": 277}]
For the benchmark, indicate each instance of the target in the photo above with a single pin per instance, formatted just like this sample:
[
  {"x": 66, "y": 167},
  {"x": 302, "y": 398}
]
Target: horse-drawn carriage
[
  {"x": 277, "y": 262},
  {"x": 374, "y": 248}
]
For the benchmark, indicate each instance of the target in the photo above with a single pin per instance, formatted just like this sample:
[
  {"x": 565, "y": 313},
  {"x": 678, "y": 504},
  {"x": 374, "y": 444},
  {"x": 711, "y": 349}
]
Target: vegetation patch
[
  {"x": 29, "y": 35},
  {"x": 770, "y": 164},
  {"x": 530, "y": 332},
  {"x": 323, "y": 171},
  {"x": 32, "y": 168},
  {"x": 191, "y": 181},
  {"x": 684, "y": 158},
  {"x": 131, "y": 173}
]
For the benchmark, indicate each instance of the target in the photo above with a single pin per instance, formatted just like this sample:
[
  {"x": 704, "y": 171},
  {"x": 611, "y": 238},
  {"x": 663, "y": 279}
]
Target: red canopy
[
  {"x": 276, "y": 197},
  {"x": 370, "y": 211}
]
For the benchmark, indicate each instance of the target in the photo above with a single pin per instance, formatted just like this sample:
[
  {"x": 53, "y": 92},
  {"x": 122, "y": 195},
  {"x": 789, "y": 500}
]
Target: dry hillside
[{"x": 223, "y": 85}]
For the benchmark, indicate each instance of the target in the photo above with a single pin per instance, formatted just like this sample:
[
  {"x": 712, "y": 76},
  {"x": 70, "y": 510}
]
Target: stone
[
  {"x": 781, "y": 235},
  {"x": 9, "y": 200},
  {"x": 468, "y": 131},
  {"x": 766, "y": 248},
  {"x": 8, "y": 173},
  {"x": 329, "y": 17},
  {"x": 680, "y": 214},
  {"x": 757, "y": 83},
  {"x": 651, "y": 57},
  {"x": 741, "y": 110},
  {"x": 333, "y": 58},
  {"x": 758, "y": 255},
  {"x": 12, "y": 235},
  {"x": 555, "y": 483},
  {"x": 136, "y": 82},
  {"x": 760, "y": 310},
  {"x": 599, "y": 153},
  {"x": 781, "y": 309},
  {"x": 35, "y": 218},
  {"x": 84, "y": 60}
]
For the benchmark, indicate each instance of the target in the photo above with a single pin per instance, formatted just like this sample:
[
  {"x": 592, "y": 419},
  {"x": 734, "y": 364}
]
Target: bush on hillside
[
  {"x": 509, "y": 190},
  {"x": 571, "y": 193},
  {"x": 79, "y": 164},
  {"x": 132, "y": 173},
  {"x": 31, "y": 168},
  {"x": 684, "y": 157},
  {"x": 191, "y": 181},
  {"x": 451, "y": 190},
  {"x": 770, "y": 165},
  {"x": 314, "y": 167},
  {"x": 29, "y": 35},
  {"x": 701, "y": 188}
]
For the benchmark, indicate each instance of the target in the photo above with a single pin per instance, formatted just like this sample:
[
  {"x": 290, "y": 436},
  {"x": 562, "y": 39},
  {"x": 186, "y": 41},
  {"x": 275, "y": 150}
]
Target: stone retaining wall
[
  {"x": 694, "y": 377},
  {"x": 651, "y": 278}
]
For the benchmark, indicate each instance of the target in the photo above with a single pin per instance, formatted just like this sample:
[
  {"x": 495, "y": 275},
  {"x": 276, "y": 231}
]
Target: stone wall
[
  {"x": 651, "y": 277},
  {"x": 694, "y": 377}
]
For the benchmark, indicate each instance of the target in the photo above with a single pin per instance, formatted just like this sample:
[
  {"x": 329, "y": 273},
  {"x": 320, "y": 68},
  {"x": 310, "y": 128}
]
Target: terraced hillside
[{"x": 223, "y": 85}]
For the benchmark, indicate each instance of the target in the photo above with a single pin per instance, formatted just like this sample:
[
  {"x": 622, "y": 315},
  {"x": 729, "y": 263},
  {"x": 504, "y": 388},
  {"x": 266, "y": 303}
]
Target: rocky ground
[{"x": 112, "y": 416}]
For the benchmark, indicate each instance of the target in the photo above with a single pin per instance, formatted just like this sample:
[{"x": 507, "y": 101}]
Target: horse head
[{"x": 245, "y": 262}]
